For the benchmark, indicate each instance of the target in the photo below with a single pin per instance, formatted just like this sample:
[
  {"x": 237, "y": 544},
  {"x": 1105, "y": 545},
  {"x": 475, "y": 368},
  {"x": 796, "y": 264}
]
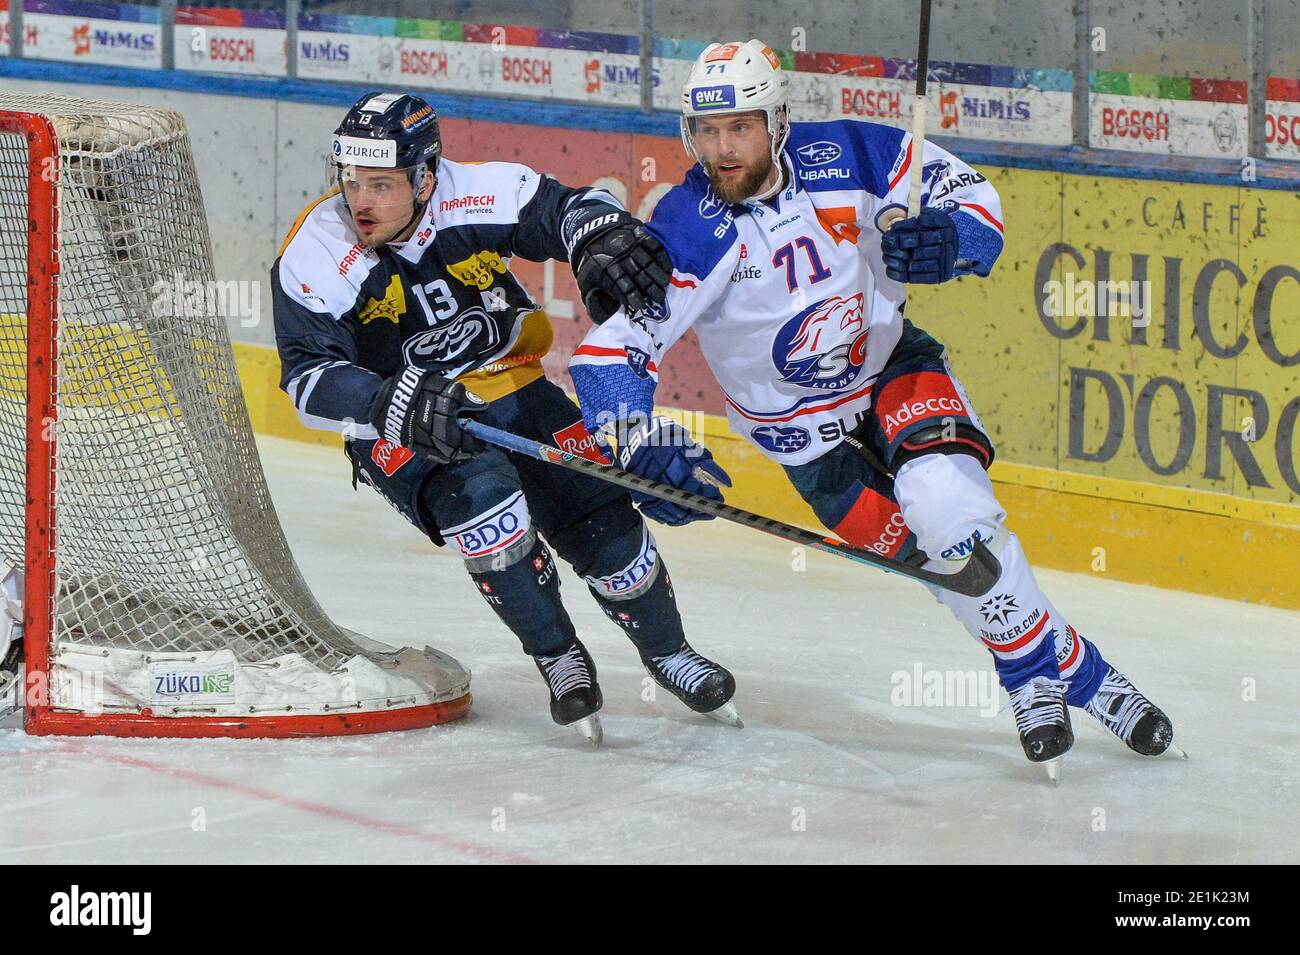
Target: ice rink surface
[{"x": 827, "y": 769}]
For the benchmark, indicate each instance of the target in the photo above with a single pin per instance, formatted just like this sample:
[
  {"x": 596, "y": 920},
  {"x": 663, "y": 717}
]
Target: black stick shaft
[
  {"x": 923, "y": 49},
  {"x": 977, "y": 577}
]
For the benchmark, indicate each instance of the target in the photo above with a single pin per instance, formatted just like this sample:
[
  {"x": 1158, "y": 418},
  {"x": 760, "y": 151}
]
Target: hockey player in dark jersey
[{"x": 396, "y": 313}]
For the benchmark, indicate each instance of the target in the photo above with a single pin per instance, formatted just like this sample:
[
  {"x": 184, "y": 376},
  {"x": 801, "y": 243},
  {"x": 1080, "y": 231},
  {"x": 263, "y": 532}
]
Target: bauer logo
[
  {"x": 819, "y": 153},
  {"x": 177, "y": 682},
  {"x": 778, "y": 440},
  {"x": 714, "y": 97}
]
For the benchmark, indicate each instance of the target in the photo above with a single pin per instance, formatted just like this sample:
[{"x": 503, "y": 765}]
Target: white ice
[{"x": 825, "y": 770}]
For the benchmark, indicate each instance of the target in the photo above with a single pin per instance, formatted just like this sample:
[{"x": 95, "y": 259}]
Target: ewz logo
[
  {"x": 779, "y": 440},
  {"x": 714, "y": 97},
  {"x": 964, "y": 549},
  {"x": 824, "y": 346}
]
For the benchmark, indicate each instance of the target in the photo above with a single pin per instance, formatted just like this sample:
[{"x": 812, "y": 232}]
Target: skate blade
[
  {"x": 1053, "y": 767},
  {"x": 589, "y": 728},
  {"x": 1175, "y": 750},
  {"x": 726, "y": 713}
]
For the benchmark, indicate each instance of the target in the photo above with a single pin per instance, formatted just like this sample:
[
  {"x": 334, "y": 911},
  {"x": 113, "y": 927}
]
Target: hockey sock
[{"x": 526, "y": 596}]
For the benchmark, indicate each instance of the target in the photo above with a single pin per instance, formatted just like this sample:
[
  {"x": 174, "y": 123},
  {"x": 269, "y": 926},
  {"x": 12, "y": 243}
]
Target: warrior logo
[{"x": 823, "y": 346}]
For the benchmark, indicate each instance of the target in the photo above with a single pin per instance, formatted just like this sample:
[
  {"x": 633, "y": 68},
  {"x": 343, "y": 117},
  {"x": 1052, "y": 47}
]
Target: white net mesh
[{"x": 167, "y": 540}]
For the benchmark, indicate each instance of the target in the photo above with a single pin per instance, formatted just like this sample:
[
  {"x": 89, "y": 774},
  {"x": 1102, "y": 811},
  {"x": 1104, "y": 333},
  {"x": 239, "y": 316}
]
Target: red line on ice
[{"x": 320, "y": 809}]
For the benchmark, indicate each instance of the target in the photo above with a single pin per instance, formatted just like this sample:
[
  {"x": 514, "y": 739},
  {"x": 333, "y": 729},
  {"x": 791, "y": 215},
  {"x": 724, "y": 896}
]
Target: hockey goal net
[{"x": 160, "y": 595}]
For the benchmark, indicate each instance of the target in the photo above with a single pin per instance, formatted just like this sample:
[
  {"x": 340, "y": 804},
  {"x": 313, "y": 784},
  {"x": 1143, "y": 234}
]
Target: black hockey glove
[
  {"x": 617, "y": 262},
  {"x": 417, "y": 409}
]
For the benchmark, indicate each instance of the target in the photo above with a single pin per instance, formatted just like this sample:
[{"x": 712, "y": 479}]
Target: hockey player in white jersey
[{"x": 797, "y": 296}]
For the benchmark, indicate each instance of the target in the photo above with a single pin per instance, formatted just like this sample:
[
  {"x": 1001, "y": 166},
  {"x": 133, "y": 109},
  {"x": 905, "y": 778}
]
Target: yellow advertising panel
[{"x": 1141, "y": 330}]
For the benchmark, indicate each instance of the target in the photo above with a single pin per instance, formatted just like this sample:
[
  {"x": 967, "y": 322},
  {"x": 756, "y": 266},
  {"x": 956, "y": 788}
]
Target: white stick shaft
[{"x": 918, "y": 158}]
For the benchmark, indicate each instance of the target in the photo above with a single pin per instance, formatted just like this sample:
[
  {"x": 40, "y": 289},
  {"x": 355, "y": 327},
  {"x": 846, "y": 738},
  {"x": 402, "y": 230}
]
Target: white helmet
[{"x": 737, "y": 78}]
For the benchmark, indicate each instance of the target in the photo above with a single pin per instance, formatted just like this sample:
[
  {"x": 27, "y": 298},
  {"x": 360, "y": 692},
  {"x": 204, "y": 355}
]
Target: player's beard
[{"x": 749, "y": 183}]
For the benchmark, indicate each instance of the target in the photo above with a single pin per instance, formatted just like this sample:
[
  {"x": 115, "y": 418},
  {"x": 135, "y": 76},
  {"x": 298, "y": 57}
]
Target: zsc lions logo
[
  {"x": 468, "y": 334},
  {"x": 778, "y": 440},
  {"x": 638, "y": 361},
  {"x": 819, "y": 153},
  {"x": 823, "y": 346},
  {"x": 711, "y": 206}
]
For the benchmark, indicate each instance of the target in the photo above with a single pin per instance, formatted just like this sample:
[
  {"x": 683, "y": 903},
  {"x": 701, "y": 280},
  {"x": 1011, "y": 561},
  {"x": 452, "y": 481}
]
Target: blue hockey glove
[
  {"x": 661, "y": 450},
  {"x": 921, "y": 250}
]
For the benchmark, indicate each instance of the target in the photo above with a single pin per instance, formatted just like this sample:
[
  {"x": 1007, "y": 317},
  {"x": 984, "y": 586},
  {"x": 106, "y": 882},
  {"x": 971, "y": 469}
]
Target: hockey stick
[
  {"x": 918, "y": 125},
  {"x": 977, "y": 577}
]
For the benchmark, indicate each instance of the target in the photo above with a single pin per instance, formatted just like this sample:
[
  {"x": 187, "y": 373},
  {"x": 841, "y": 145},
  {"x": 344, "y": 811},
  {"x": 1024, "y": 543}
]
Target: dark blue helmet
[{"x": 389, "y": 130}]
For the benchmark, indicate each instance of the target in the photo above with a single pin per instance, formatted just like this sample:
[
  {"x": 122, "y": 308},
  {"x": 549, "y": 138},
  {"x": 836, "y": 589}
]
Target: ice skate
[
  {"x": 575, "y": 694},
  {"x": 1043, "y": 721},
  {"x": 698, "y": 682},
  {"x": 1142, "y": 726}
]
